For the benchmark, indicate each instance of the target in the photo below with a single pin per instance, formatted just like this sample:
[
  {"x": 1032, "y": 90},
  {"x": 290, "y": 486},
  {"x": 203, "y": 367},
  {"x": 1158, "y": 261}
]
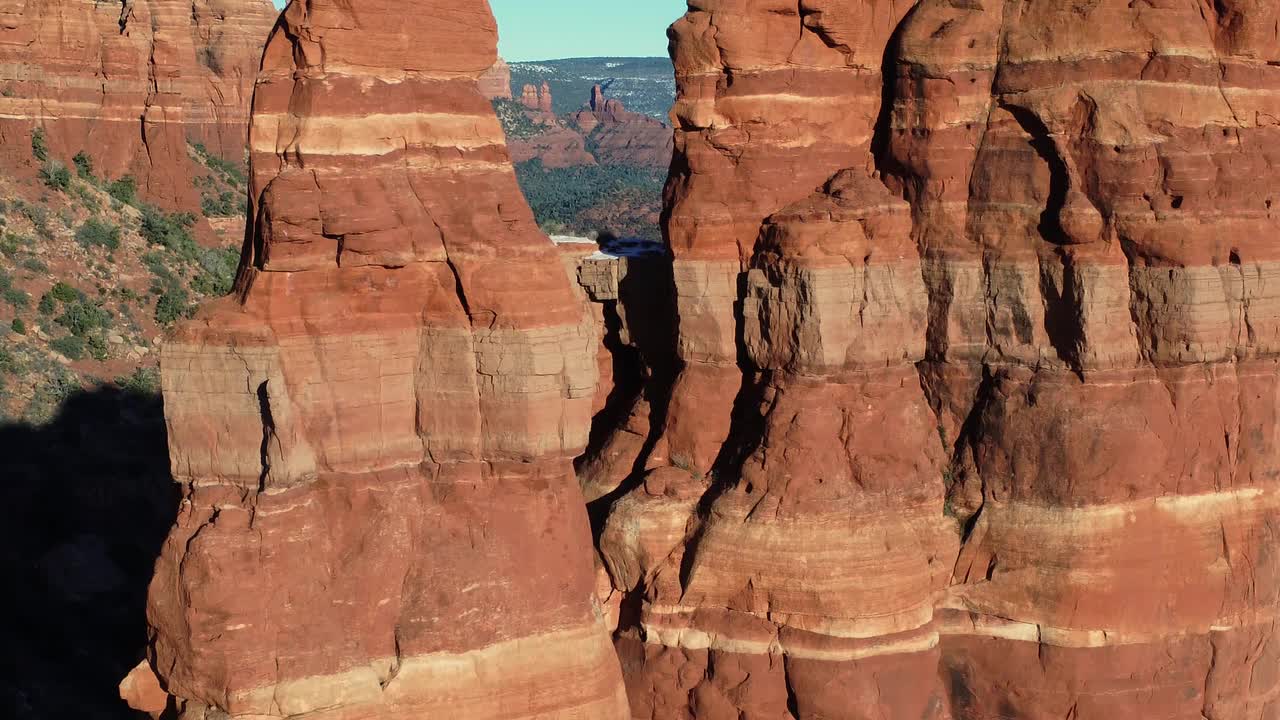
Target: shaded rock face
[
  {"x": 130, "y": 83},
  {"x": 375, "y": 436},
  {"x": 985, "y": 426}
]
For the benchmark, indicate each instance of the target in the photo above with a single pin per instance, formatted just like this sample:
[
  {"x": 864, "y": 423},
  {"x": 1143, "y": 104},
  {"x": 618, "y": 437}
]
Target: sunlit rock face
[
  {"x": 375, "y": 434},
  {"x": 130, "y": 83},
  {"x": 952, "y": 396},
  {"x": 969, "y": 409}
]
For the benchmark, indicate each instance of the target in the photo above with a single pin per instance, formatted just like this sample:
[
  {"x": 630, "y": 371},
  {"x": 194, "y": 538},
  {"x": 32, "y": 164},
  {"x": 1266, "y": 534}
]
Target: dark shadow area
[
  {"x": 88, "y": 501},
  {"x": 1059, "y": 175},
  {"x": 643, "y": 346}
]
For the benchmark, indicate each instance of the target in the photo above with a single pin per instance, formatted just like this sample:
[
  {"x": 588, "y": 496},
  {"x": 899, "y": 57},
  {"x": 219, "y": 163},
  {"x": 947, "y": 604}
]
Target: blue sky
[{"x": 549, "y": 29}]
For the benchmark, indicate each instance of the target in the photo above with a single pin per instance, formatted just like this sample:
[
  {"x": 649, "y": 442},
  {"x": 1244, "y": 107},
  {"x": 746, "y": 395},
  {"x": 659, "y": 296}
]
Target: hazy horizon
[{"x": 557, "y": 29}]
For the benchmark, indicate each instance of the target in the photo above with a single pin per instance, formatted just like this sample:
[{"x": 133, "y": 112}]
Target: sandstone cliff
[
  {"x": 955, "y": 399},
  {"x": 130, "y": 83},
  {"x": 375, "y": 436},
  {"x": 985, "y": 426}
]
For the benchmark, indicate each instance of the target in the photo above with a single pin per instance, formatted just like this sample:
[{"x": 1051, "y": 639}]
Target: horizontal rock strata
[
  {"x": 129, "y": 84},
  {"x": 375, "y": 435},
  {"x": 984, "y": 426}
]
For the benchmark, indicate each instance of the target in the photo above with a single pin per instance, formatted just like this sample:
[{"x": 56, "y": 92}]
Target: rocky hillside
[
  {"x": 92, "y": 275},
  {"x": 644, "y": 85},
  {"x": 122, "y": 151}
]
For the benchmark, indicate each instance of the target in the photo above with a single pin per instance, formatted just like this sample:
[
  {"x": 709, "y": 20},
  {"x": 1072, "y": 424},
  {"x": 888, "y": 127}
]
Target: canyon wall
[
  {"x": 374, "y": 436},
  {"x": 955, "y": 398},
  {"x": 129, "y": 83},
  {"x": 985, "y": 426}
]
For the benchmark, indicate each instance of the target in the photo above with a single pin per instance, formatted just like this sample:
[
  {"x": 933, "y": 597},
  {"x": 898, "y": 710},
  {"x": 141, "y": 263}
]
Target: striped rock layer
[
  {"x": 375, "y": 435},
  {"x": 985, "y": 426},
  {"x": 129, "y": 83}
]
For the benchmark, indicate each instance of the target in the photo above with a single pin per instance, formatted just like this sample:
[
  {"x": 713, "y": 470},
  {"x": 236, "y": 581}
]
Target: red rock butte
[{"x": 953, "y": 395}]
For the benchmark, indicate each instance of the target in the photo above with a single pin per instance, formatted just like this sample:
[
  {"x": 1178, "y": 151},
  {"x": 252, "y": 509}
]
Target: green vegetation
[
  {"x": 37, "y": 215},
  {"x": 170, "y": 230},
  {"x": 39, "y": 148},
  {"x": 8, "y": 363},
  {"x": 174, "y": 305},
  {"x": 82, "y": 317},
  {"x": 71, "y": 346},
  {"x": 142, "y": 381},
  {"x": 65, "y": 293},
  {"x": 84, "y": 165},
  {"x": 17, "y": 298},
  {"x": 56, "y": 175},
  {"x": 230, "y": 170},
  {"x": 86, "y": 196},
  {"x": 34, "y": 265},
  {"x": 124, "y": 189},
  {"x": 516, "y": 124},
  {"x": 98, "y": 233},
  {"x": 222, "y": 191},
  {"x": 565, "y": 197},
  {"x": 226, "y": 203},
  {"x": 19, "y": 326}
]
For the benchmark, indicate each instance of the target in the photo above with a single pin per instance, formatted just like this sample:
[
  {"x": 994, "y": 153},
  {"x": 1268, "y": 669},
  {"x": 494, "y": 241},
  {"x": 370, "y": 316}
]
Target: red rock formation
[
  {"x": 621, "y": 137},
  {"x": 128, "y": 84},
  {"x": 1005, "y": 449},
  {"x": 544, "y": 98},
  {"x": 537, "y": 98},
  {"x": 495, "y": 83},
  {"x": 227, "y": 39},
  {"x": 1091, "y": 209},
  {"x": 374, "y": 437},
  {"x": 529, "y": 97},
  {"x": 556, "y": 146},
  {"x": 963, "y": 406}
]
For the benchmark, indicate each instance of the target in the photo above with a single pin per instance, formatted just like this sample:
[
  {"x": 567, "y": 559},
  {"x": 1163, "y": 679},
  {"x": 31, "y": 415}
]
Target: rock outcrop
[
  {"x": 537, "y": 98},
  {"x": 375, "y": 435},
  {"x": 495, "y": 83},
  {"x": 130, "y": 83},
  {"x": 603, "y": 133},
  {"x": 620, "y": 137},
  {"x": 555, "y": 145},
  {"x": 984, "y": 427},
  {"x": 954, "y": 399}
]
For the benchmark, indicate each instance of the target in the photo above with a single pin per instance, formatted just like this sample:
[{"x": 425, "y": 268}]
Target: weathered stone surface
[
  {"x": 130, "y": 83},
  {"x": 956, "y": 398},
  {"x": 375, "y": 435},
  {"x": 495, "y": 83},
  {"x": 985, "y": 426}
]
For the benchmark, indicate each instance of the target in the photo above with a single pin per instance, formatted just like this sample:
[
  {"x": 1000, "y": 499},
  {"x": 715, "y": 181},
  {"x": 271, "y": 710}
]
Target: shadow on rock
[{"x": 88, "y": 501}]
